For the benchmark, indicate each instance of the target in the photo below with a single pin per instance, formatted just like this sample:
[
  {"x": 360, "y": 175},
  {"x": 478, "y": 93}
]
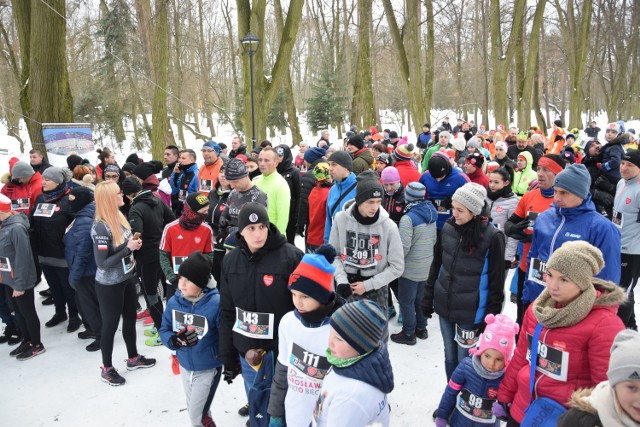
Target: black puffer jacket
[
  {"x": 148, "y": 215},
  {"x": 307, "y": 182},
  {"x": 292, "y": 175},
  {"x": 258, "y": 283},
  {"x": 241, "y": 150},
  {"x": 49, "y": 231}
]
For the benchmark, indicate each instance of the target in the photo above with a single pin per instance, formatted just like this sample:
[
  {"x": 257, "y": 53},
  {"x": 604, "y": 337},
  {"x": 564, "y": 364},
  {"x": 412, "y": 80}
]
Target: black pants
[
  {"x": 63, "y": 294},
  {"x": 150, "y": 275},
  {"x": 512, "y": 423},
  {"x": 216, "y": 268},
  {"x": 393, "y": 290},
  {"x": 115, "y": 301},
  {"x": 521, "y": 308},
  {"x": 88, "y": 305},
  {"x": 26, "y": 315},
  {"x": 628, "y": 279}
]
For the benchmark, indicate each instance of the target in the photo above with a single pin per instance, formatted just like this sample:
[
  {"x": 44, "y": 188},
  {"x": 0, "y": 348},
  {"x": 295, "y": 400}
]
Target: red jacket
[
  {"x": 479, "y": 177},
  {"x": 408, "y": 172},
  {"x": 317, "y": 214},
  {"x": 24, "y": 191},
  {"x": 587, "y": 344}
]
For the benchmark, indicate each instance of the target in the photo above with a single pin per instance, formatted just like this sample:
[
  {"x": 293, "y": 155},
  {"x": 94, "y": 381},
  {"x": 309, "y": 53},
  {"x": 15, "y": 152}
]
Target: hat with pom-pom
[
  {"x": 500, "y": 335},
  {"x": 403, "y": 152},
  {"x": 314, "y": 275}
]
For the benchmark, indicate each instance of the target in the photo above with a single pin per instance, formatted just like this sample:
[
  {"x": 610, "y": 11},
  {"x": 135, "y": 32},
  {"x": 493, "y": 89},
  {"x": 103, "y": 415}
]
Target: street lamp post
[{"x": 250, "y": 45}]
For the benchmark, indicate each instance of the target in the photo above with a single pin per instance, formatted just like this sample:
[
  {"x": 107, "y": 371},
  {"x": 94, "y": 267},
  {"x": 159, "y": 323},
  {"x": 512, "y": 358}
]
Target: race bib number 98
[{"x": 475, "y": 408}]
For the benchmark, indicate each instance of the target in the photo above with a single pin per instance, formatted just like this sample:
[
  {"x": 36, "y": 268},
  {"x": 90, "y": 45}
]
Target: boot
[{"x": 11, "y": 335}]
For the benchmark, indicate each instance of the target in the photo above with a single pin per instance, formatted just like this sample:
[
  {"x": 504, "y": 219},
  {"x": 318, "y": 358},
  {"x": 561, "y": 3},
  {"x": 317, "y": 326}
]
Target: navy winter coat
[{"x": 78, "y": 246}]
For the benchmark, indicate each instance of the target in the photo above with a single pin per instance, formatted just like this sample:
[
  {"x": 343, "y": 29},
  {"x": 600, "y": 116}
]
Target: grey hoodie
[{"x": 16, "y": 249}]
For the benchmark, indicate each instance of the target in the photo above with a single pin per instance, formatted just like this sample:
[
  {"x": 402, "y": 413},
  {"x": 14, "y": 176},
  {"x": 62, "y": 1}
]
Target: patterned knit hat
[
  {"x": 403, "y": 152},
  {"x": 236, "y": 169},
  {"x": 579, "y": 261},
  {"x": 415, "y": 192},
  {"x": 613, "y": 126},
  {"x": 499, "y": 335},
  {"x": 624, "y": 363},
  {"x": 383, "y": 158},
  {"x": 314, "y": 275},
  {"x": 471, "y": 196},
  {"x": 213, "y": 146},
  {"x": 476, "y": 159},
  {"x": 5, "y": 203},
  {"x": 321, "y": 171},
  {"x": 360, "y": 324}
]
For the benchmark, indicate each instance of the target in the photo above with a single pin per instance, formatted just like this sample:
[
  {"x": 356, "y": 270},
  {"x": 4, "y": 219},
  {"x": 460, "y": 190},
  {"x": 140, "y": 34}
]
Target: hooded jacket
[
  {"x": 557, "y": 225},
  {"x": 148, "y": 216},
  {"x": 513, "y": 152},
  {"x": 338, "y": 195},
  {"x": 394, "y": 204},
  {"x": 307, "y": 183},
  {"x": 522, "y": 178},
  {"x": 586, "y": 343},
  {"x": 612, "y": 153},
  {"x": 186, "y": 180},
  {"x": 362, "y": 161},
  {"x": 14, "y": 245},
  {"x": 23, "y": 191},
  {"x": 378, "y": 262},
  {"x": 78, "y": 246},
  {"x": 407, "y": 171},
  {"x": 356, "y": 395},
  {"x": 258, "y": 283},
  {"x": 418, "y": 236},
  {"x": 439, "y": 192},
  {"x": 204, "y": 355},
  {"x": 292, "y": 175},
  {"x": 49, "y": 231},
  {"x": 597, "y": 407}
]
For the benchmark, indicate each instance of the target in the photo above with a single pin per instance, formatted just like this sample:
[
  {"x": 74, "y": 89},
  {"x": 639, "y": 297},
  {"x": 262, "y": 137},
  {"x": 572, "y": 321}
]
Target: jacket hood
[
  {"x": 374, "y": 369},
  {"x": 425, "y": 211},
  {"x": 287, "y": 159},
  {"x": 6, "y": 178},
  {"x": 146, "y": 197},
  {"x": 18, "y": 219},
  {"x": 586, "y": 206},
  {"x": 275, "y": 239},
  {"x": 527, "y": 155},
  {"x": 207, "y": 293},
  {"x": 610, "y": 294},
  {"x": 151, "y": 183},
  {"x": 580, "y": 400}
]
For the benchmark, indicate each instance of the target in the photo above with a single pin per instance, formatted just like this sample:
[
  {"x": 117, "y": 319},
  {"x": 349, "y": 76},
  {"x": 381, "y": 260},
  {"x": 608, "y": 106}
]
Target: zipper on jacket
[
  {"x": 453, "y": 264},
  {"x": 553, "y": 240}
]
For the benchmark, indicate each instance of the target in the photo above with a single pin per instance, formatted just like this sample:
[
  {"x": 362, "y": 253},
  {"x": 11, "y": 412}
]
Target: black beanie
[
  {"x": 133, "y": 158},
  {"x": 368, "y": 187},
  {"x": 128, "y": 167},
  {"x": 357, "y": 141},
  {"x": 196, "y": 268},
  {"x": 197, "y": 201},
  {"x": 144, "y": 170},
  {"x": 82, "y": 197},
  {"x": 438, "y": 167},
  {"x": 73, "y": 161},
  {"x": 130, "y": 186},
  {"x": 343, "y": 159},
  {"x": 252, "y": 213},
  {"x": 632, "y": 156}
]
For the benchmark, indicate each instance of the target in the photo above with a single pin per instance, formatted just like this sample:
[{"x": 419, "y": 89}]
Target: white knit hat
[{"x": 471, "y": 196}]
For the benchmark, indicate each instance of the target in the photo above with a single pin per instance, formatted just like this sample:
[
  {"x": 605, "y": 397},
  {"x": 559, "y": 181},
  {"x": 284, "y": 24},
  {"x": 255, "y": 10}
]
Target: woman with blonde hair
[{"x": 116, "y": 278}]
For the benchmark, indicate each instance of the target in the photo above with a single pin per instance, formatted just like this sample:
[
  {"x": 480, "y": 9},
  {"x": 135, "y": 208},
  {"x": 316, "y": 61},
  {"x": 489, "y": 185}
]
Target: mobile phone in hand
[{"x": 136, "y": 235}]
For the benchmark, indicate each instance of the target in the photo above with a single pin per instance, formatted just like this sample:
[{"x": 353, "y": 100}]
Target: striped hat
[
  {"x": 360, "y": 324},
  {"x": 403, "y": 152},
  {"x": 314, "y": 275}
]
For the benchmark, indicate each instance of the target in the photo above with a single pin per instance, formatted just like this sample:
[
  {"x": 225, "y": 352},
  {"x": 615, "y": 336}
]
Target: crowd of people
[{"x": 436, "y": 226}]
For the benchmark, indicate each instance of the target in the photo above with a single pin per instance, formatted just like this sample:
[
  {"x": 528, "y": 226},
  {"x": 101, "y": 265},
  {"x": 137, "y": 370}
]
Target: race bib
[
  {"x": 475, "y": 408},
  {"x": 177, "y": 260},
  {"x": 441, "y": 207},
  {"x": 45, "y": 209},
  {"x": 182, "y": 195},
  {"x": 307, "y": 363},
  {"x": 531, "y": 216},
  {"x": 616, "y": 218},
  {"x": 206, "y": 185},
  {"x": 20, "y": 204},
  {"x": 5, "y": 264},
  {"x": 181, "y": 320},
  {"x": 552, "y": 362},
  {"x": 466, "y": 338},
  {"x": 254, "y": 325},
  {"x": 128, "y": 263},
  {"x": 362, "y": 249},
  {"x": 538, "y": 271}
]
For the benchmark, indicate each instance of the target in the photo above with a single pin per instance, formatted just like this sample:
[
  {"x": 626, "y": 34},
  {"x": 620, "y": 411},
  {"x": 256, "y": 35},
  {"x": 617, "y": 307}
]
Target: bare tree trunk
[{"x": 362, "y": 108}]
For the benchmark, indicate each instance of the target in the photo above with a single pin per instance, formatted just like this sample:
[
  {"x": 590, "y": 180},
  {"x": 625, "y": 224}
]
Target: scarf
[
  {"x": 603, "y": 399},
  {"x": 504, "y": 192},
  {"x": 546, "y": 311},
  {"x": 316, "y": 318},
  {"x": 364, "y": 220},
  {"x": 548, "y": 193},
  {"x": 185, "y": 168},
  {"x": 55, "y": 194},
  {"x": 343, "y": 363},
  {"x": 190, "y": 220},
  {"x": 483, "y": 372}
]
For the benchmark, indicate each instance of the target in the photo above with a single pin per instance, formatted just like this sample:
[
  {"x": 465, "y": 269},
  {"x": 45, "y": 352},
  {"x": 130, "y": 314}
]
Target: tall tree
[
  {"x": 45, "y": 96},
  {"x": 363, "y": 112}
]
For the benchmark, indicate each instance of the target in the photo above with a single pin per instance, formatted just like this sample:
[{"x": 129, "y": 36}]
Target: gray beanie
[
  {"x": 343, "y": 159},
  {"x": 22, "y": 170},
  {"x": 575, "y": 179},
  {"x": 624, "y": 363},
  {"x": 471, "y": 196},
  {"x": 57, "y": 175}
]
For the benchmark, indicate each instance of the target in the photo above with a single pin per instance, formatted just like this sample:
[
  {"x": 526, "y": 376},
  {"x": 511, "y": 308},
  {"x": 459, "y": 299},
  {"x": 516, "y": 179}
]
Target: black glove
[
  {"x": 516, "y": 231},
  {"x": 604, "y": 198},
  {"x": 231, "y": 371},
  {"x": 187, "y": 337},
  {"x": 344, "y": 290},
  {"x": 427, "y": 307},
  {"x": 603, "y": 183}
]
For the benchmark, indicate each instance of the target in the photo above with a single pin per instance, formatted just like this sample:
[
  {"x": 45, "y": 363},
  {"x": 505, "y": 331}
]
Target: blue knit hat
[
  {"x": 213, "y": 145},
  {"x": 360, "y": 324},
  {"x": 314, "y": 153},
  {"x": 575, "y": 179}
]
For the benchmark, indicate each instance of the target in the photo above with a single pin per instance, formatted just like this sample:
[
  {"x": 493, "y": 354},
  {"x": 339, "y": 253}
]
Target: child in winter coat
[
  {"x": 303, "y": 333},
  {"x": 524, "y": 173},
  {"x": 354, "y": 392},
  {"x": 190, "y": 327},
  {"x": 474, "y": 384},
  {"x": 577, "y": 312},
  {"x": 615, "y": 402},
  {"x": 502, "y": 203}
]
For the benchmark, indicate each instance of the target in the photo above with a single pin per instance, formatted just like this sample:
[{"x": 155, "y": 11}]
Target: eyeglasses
[{"x": 112, "y": 176}]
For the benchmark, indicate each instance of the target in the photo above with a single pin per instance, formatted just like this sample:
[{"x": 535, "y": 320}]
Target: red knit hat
[
  {"x": 5, "y": 203},
  {"x": 314, "y": 275}
]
